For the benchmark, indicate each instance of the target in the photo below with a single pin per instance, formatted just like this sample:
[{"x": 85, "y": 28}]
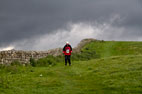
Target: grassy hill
[{"x": 109, "y": 67}]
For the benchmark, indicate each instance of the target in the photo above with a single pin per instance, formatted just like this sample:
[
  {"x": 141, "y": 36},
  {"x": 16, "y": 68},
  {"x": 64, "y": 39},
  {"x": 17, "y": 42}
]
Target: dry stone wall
[{"x": 6, "y": 57}]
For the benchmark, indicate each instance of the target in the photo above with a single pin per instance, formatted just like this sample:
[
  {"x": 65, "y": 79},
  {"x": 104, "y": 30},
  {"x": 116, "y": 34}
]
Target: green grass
[
  {"x": 117, "y": 70},
  {"x": 114, "y": 48},
  {"x": 113, "y": 75}
]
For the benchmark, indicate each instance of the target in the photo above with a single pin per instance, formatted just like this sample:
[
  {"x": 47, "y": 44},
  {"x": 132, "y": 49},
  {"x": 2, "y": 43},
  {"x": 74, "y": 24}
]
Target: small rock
[{"x": 40, "y": 75}]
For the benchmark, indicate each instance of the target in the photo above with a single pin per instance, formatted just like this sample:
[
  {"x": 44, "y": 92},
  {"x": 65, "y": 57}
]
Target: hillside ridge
[{"x": 6, "y": 57}]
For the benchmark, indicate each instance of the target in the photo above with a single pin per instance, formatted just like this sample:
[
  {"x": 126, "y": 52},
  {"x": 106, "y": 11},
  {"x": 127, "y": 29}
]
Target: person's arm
[
  {"x": 64, "y": 49},
  {"x": 71, "y": 48}
]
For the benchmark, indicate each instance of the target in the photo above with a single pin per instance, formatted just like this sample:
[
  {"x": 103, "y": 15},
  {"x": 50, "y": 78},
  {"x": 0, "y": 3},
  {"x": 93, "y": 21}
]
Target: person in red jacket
[{"x": 67, "y": 50}]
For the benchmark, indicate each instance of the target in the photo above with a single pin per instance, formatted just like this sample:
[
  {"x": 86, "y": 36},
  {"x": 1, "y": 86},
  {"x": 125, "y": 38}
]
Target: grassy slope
[
  {"x": 118, "y": 71},
  {"x": 114, "y": 48}
]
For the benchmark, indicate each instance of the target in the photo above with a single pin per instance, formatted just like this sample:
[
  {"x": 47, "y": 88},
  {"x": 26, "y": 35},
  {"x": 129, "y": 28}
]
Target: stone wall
[{"x": 6, "y": 57}]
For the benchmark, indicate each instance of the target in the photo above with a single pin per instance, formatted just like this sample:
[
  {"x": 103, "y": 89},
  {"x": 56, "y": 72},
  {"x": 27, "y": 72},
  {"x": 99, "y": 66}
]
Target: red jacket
[{"x": 67, "y": 50}]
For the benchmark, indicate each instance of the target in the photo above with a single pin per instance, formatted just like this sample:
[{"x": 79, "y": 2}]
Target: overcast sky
[{"x": 46, "y": 24}]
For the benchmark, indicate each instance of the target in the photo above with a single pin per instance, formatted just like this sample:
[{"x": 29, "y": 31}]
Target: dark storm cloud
[{"x": 23, "y": 19}]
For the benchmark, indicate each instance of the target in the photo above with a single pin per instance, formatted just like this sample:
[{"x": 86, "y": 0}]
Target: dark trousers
[{"x": 67, "y": 59}]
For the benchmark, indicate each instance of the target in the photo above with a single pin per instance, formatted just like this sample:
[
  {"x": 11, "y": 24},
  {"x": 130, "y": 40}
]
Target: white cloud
[
  {"x": 7, "y": 48},
  {"x": 75, "y": 33}
]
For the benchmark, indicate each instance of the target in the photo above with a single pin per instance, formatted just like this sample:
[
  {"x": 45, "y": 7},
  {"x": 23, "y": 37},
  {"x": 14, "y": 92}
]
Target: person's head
[{"x": 67, "y": 43}]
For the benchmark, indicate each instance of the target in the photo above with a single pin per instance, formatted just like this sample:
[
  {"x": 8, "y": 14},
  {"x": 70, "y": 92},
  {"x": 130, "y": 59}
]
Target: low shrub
[
  {"x": 16, "y": 63},
  {"x": 49, "y": 60},
  {"x": 32, "y": 62},
  {"x": 45, "y": 62},
  {"x": 2, "y": 66},
  {"x": 84, "y": 55}
]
